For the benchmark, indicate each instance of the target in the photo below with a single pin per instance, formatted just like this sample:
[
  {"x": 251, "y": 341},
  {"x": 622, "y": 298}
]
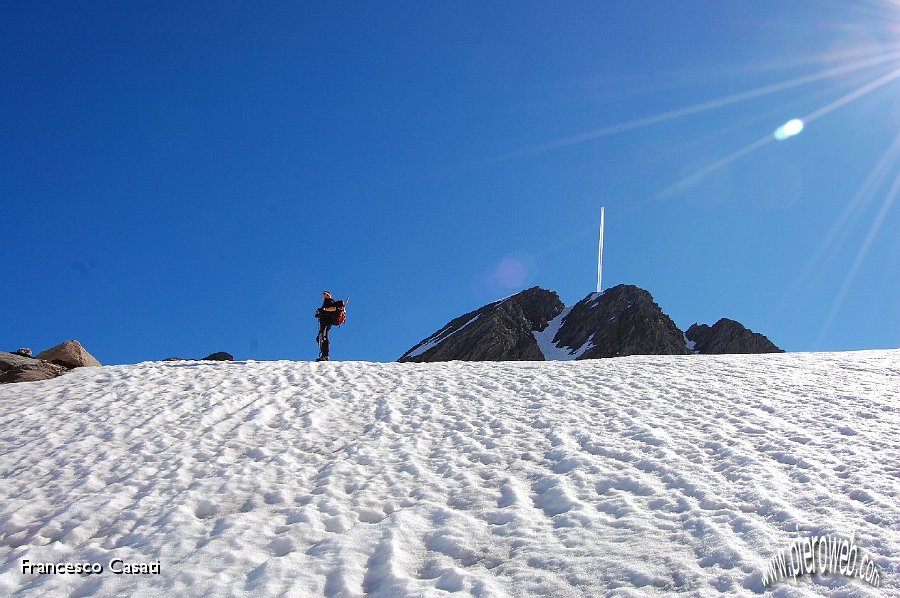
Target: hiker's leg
[{"x": 325, "y": 342}]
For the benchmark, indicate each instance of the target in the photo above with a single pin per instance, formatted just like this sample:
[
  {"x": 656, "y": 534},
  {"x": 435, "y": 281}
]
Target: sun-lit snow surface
[{"x": 631, "y": 476}]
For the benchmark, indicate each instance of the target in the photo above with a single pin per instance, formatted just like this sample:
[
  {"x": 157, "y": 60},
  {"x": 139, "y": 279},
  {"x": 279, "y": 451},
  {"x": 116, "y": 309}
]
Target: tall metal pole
[{"x": 600, "y": 256}]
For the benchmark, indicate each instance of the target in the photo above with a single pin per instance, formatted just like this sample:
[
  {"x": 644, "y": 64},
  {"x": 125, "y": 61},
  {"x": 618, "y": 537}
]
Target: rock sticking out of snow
[
  {"x": 728, "y": 337},
  {"x": 534, "y": 325},
  {"x": 69, "y": 354}
]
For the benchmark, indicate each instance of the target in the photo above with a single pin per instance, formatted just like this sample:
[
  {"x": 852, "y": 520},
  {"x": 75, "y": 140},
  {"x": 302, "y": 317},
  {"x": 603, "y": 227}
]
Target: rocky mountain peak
[
  {"x": 535, "y": 325},
  {"x": 728, "y": 336},
  {"x": 499, "y": 331},
  {"x": 623, "y": 320}
]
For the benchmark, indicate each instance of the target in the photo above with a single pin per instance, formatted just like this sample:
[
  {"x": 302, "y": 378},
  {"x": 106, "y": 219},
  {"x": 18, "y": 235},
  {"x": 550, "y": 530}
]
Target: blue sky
[{"x": 182, "y": 178}]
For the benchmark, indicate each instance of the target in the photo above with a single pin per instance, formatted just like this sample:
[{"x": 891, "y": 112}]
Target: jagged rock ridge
[
  {"x": 535, "y": 325},
  {"x": 499, "y": 331},
  {"x": 623, "y": 320},
  {"x": 728, "y": 336}
]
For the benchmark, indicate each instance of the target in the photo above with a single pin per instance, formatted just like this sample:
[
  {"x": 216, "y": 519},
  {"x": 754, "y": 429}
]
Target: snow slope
[{"x": 636, "y": 476}]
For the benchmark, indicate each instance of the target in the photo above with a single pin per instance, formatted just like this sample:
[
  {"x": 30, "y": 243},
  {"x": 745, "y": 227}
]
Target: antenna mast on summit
[{"x": 600, "y": 256}]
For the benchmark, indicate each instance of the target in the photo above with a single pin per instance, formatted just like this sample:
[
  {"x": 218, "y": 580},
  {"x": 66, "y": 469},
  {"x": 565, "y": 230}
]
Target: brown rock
[
  {"x": 33, "y": 372},
  {"x": 69, "y": 354},
  {"x": 10, "y": 361}
]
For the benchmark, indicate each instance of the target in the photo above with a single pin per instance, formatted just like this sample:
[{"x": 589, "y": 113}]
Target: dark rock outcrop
[
  {"x": 24, "y": 352},
  {"x": 499, "y": 331},
  {"x": 220, "y": 356},
  {"x": 534, "y": 325},
  {"x": 727, "y": 336},
  {"x": 623, "y": 320}
]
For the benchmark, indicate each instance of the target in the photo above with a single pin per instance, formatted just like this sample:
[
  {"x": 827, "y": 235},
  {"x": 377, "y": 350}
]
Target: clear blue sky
[{"x": 182, "y": 178}]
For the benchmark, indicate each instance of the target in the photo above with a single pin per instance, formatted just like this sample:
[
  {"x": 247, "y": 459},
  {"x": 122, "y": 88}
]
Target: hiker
[{"x": 328, "y": 316}]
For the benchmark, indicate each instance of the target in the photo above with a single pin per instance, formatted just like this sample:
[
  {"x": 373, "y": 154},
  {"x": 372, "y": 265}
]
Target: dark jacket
[{"x": 329, "y": 317}]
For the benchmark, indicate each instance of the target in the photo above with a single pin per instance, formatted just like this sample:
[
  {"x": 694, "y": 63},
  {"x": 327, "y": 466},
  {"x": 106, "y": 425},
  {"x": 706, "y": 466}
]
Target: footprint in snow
[
  {"x": 552, "y": 497},
  {"x": 281, "y": 546},
  {"x": 205, "y": 509}
]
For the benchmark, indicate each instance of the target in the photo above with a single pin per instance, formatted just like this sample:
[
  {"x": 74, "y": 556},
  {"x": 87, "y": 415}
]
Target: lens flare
[
  {"x": 789, "y": 129},
  {"x": 890, "y": 57}
]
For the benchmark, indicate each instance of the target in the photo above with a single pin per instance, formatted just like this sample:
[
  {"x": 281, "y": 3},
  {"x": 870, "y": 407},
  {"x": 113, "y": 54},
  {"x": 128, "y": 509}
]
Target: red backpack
[{"x": 341, "y": 312}]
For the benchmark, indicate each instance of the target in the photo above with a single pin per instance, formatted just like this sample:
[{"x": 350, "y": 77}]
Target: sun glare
[
  {"x": 866, "y": 62},
  {"x": 789, "y": 129}
]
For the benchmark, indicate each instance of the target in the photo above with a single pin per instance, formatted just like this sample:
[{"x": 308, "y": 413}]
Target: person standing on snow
[{"x": 327, "y": 315}]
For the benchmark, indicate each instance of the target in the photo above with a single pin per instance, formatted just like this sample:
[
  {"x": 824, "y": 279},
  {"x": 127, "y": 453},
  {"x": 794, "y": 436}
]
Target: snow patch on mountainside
[
  {"x": 691, "y": 345},
  {"x": 551, "y": 351},
  {"x": 635, "y": 476},
  {"x": 545, "y": 337}
]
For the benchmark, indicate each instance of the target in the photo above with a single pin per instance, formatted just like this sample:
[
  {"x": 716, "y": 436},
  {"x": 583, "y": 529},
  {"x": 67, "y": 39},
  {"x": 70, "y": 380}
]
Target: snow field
[{"x": 632, "y": 476}]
